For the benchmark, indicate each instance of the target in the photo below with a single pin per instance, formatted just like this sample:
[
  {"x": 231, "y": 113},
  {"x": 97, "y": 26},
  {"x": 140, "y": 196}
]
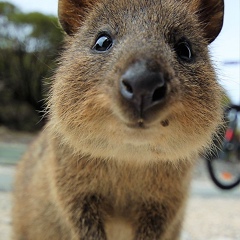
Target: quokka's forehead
[{"x": 164, "y": 15}]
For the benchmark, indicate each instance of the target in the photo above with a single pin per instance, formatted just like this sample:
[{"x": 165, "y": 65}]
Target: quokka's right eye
[{"x": 103, "y": 43}]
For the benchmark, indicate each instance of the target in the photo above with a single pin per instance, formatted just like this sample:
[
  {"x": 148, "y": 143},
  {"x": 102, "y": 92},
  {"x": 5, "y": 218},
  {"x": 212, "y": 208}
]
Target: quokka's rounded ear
[
  {"x": 71, "y": 13},
  {"x": 210, "y": 14}
]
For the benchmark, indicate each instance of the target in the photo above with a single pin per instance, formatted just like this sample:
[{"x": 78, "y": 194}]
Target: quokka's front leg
[
  {"x": 153, "y": 223},
  {"x": 88, "y": 218}
]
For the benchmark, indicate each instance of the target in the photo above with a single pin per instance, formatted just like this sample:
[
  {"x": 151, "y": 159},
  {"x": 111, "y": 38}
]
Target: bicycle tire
[
  {"x": 214, "y": 162},
  {"x": 213, "y": 175}
]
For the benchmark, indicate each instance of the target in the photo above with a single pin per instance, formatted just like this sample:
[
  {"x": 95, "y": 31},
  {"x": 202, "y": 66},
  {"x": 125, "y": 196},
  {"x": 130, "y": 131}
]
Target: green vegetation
[{"x": 29, "y": 44}]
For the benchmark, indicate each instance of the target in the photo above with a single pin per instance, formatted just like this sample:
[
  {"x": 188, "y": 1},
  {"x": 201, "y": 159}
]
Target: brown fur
[{"x": 95, "y": 172}]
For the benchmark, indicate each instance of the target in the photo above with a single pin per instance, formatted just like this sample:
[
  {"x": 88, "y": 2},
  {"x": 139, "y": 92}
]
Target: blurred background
[{"x": 31, "y": 40}]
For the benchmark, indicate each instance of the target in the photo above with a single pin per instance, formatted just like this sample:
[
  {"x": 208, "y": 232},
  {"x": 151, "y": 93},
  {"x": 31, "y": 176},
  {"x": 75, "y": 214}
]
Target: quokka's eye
[
  {"x": 184, "y": 51},
  {"x": 103, "y": 43}
]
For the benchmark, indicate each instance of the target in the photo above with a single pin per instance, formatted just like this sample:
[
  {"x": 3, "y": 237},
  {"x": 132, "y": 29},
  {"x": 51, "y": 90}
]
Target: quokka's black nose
[{"x": 142, "y": 87}]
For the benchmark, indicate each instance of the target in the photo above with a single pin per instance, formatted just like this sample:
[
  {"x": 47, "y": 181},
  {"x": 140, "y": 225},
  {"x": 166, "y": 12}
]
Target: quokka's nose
[{"x": 142, "y": 87}]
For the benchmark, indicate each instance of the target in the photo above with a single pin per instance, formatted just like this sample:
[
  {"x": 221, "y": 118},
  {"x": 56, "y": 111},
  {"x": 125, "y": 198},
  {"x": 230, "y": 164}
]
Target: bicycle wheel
[
  {"x": 225, "y": 175},
  {"x": 224, "y": 165}
]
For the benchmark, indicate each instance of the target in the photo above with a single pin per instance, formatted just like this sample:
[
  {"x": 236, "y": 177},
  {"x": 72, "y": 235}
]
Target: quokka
[{"x": 133, "y": 102}]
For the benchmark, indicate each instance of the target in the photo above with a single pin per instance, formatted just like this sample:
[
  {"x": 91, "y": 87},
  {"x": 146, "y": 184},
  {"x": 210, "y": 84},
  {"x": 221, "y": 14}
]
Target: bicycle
[{"x": 224, "y": 164}]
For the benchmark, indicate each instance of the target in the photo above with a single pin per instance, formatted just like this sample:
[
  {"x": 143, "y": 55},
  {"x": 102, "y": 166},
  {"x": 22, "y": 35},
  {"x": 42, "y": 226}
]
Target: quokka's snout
[{"x": 142, "y": 87}]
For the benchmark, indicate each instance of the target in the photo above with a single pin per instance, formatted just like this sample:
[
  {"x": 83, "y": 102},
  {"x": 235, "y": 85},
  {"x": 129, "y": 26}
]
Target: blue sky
[{"x": 225, "y": 48}]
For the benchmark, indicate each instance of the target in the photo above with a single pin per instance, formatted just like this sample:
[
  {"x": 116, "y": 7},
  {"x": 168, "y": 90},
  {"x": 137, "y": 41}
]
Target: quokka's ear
[
  {"x": 210, "y": 14},
  {"x": 72, "y": 12}
]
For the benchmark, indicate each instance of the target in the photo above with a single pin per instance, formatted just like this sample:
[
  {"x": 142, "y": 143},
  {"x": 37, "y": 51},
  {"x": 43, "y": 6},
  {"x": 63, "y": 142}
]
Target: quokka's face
[{"x": 136, "y": 83}]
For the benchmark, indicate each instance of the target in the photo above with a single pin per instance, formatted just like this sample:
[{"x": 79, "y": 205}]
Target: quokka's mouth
[
  {"x": 139, "y": 124},
  {"x": 142, "y": 124}
]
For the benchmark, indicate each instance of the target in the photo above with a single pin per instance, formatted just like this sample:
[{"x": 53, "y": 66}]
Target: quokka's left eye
[
  {"x": 184, "y": 51},
  {"x": 103, "y": 43}
]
